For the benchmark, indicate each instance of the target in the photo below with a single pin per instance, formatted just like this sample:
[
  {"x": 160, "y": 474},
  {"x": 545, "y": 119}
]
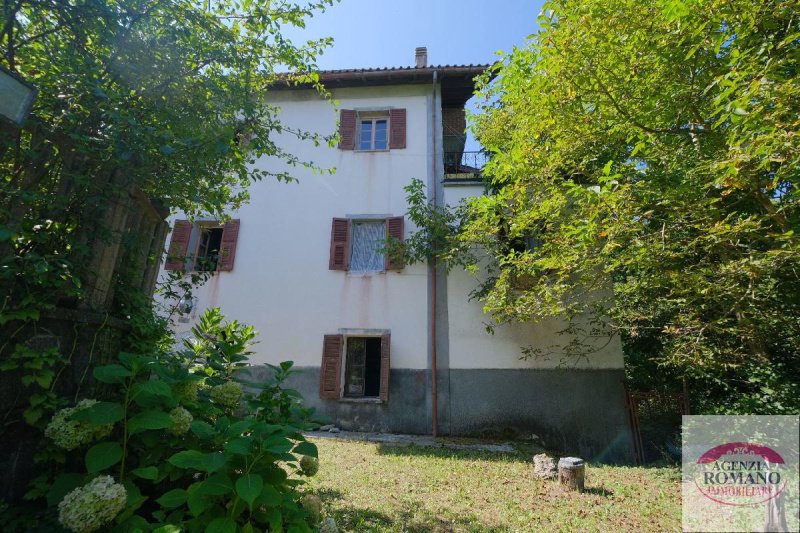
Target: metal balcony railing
[{"x": 460, "y": 163}]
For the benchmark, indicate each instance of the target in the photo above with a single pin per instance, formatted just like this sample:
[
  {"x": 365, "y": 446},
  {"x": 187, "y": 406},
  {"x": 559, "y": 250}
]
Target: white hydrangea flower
[
  {"x": 313, "y": 506},
  {"x": 186, "y": 390},
  {"x": 309, "y": 465},
  {"x": 181, "y": 420},
  {"x": 328, "y": 526},
  {"x": 89, "y": 507},
  {"x": 70, "y": 434},
  {"x": 227, "y": 395}
]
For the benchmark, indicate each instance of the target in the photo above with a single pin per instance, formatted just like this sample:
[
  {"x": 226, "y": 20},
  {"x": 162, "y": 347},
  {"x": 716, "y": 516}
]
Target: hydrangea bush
[{"x": 186, "y": 441}]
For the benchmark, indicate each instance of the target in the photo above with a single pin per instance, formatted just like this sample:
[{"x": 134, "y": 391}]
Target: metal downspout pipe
[{"x": 434, "y": 276}]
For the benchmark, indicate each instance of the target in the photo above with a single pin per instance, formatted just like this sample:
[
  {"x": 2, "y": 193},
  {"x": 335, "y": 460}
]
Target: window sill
[
  {"x": 371, "y": 151},
  {"x": 345, "y": 399},
  {"x": 365, "y": 274}
]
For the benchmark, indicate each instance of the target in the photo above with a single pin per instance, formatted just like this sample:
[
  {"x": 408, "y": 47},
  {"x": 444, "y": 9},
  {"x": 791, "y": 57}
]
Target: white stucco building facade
[{"x": 300, "y": 265}]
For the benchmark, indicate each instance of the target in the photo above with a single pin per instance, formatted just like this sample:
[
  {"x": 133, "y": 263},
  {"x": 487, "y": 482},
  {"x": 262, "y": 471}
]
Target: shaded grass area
[{"x": 379, "y": 487}]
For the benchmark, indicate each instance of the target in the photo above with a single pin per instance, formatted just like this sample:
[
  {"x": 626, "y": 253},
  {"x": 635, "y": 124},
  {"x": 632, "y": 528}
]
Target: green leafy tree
[
  {"x": 143, "y": 106},
  {"x": 645, "y": 157},
  {"x": 163, "y": 97}
]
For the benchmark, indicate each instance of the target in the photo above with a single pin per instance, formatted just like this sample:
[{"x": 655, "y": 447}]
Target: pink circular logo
[{"x": 740, "y": 473}]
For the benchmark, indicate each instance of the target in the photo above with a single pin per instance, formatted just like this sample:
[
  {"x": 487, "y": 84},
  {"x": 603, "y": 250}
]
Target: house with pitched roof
[{"x": 381, "y": 345}]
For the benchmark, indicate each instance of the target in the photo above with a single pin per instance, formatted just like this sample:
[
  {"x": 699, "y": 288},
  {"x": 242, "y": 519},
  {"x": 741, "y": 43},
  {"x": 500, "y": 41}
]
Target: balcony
[{"x": 464, "y": 166}]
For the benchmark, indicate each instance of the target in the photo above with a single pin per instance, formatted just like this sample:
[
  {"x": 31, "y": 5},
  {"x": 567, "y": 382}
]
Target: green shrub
[{"x": 171, "y": 447}]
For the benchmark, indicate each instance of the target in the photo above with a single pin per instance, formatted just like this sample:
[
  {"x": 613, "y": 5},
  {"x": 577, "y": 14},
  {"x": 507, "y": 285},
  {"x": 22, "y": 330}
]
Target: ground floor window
[
  {"x": 363, "y": 367},
  {"x": 355, "y": 364}
]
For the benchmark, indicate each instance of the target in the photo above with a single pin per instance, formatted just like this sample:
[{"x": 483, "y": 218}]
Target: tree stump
[{"x": 571, "y": 472}]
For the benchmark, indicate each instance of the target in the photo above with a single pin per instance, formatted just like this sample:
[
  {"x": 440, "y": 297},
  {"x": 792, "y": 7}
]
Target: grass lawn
[{"x": 379, "y": 487}]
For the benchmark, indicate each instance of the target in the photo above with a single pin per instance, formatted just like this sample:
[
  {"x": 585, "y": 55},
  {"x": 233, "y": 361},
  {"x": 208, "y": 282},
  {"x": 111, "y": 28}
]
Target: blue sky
[{"x": 384, "y": 33}]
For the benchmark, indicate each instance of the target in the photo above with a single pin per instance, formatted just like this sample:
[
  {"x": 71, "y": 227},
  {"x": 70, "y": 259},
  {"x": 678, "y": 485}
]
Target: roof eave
[{"x": 461, "y": 76}]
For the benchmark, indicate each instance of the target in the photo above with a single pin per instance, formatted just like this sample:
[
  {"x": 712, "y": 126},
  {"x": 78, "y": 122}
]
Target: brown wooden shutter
[
  {"x": 394, "y": 228},
  {"x": 386, "y": 341},
  {"x": 347, "y": 129},
  {"x": 330, "y": 372},
  {"x": 340, "y": 244},
  {"x": 397, "y": 128},
  {"x": 178, "y": 245},
  {"x": 227, "y": 248}
]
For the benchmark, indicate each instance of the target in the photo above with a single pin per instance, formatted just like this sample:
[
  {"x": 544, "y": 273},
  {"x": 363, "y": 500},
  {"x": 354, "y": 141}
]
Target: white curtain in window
[{"x": 369, "y": 239}]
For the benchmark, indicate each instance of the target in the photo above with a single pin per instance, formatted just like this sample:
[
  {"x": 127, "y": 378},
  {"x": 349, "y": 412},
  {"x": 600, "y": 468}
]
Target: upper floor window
[
  {"x": 367, "y": 240},
  {"x": 208, "y": 248},
  {"x": 205, "y": 246},
  {"x": 373, "y": 130},
  {"x": 359, "y": 244}
]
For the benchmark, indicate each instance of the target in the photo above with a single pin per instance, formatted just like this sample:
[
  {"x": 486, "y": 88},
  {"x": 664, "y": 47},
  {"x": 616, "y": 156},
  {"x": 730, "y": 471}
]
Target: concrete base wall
[
  {"x": 407, "y": 411},
  {"x": 572, "y": 411}
]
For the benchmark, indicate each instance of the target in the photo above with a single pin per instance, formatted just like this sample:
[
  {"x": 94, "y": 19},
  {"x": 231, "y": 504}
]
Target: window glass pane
[
  {"x": 354, "y": 379},
  {"x": 208, "y": 250},
  {"x": 380, "y": 134},
  {"x": 368, "y": 240},
  {"x": 365, "y": 141}
]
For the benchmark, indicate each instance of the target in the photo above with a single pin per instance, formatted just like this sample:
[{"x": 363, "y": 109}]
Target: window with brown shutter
[
  {"x": 340, "y": 244},
  {"x": 227, "y": 249},
  {"x": 366, "y": 366},
  {"x": 212, "y": 245},
  {"x": 397, "y": 129},
  {"x": 359, "y": 245},
  {"x": 347, "y": 129},
  {"x": 329, "y": 376},
  {"x": 394, "y": 229},
  {"x": 178, "y": 245},
  {"x": 370, "y": 131},
  {"x": 386, "y": 339}
]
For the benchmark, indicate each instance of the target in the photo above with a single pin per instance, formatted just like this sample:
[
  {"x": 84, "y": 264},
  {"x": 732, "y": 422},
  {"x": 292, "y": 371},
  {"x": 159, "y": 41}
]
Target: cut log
[{"x": 571, "y": 472}]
